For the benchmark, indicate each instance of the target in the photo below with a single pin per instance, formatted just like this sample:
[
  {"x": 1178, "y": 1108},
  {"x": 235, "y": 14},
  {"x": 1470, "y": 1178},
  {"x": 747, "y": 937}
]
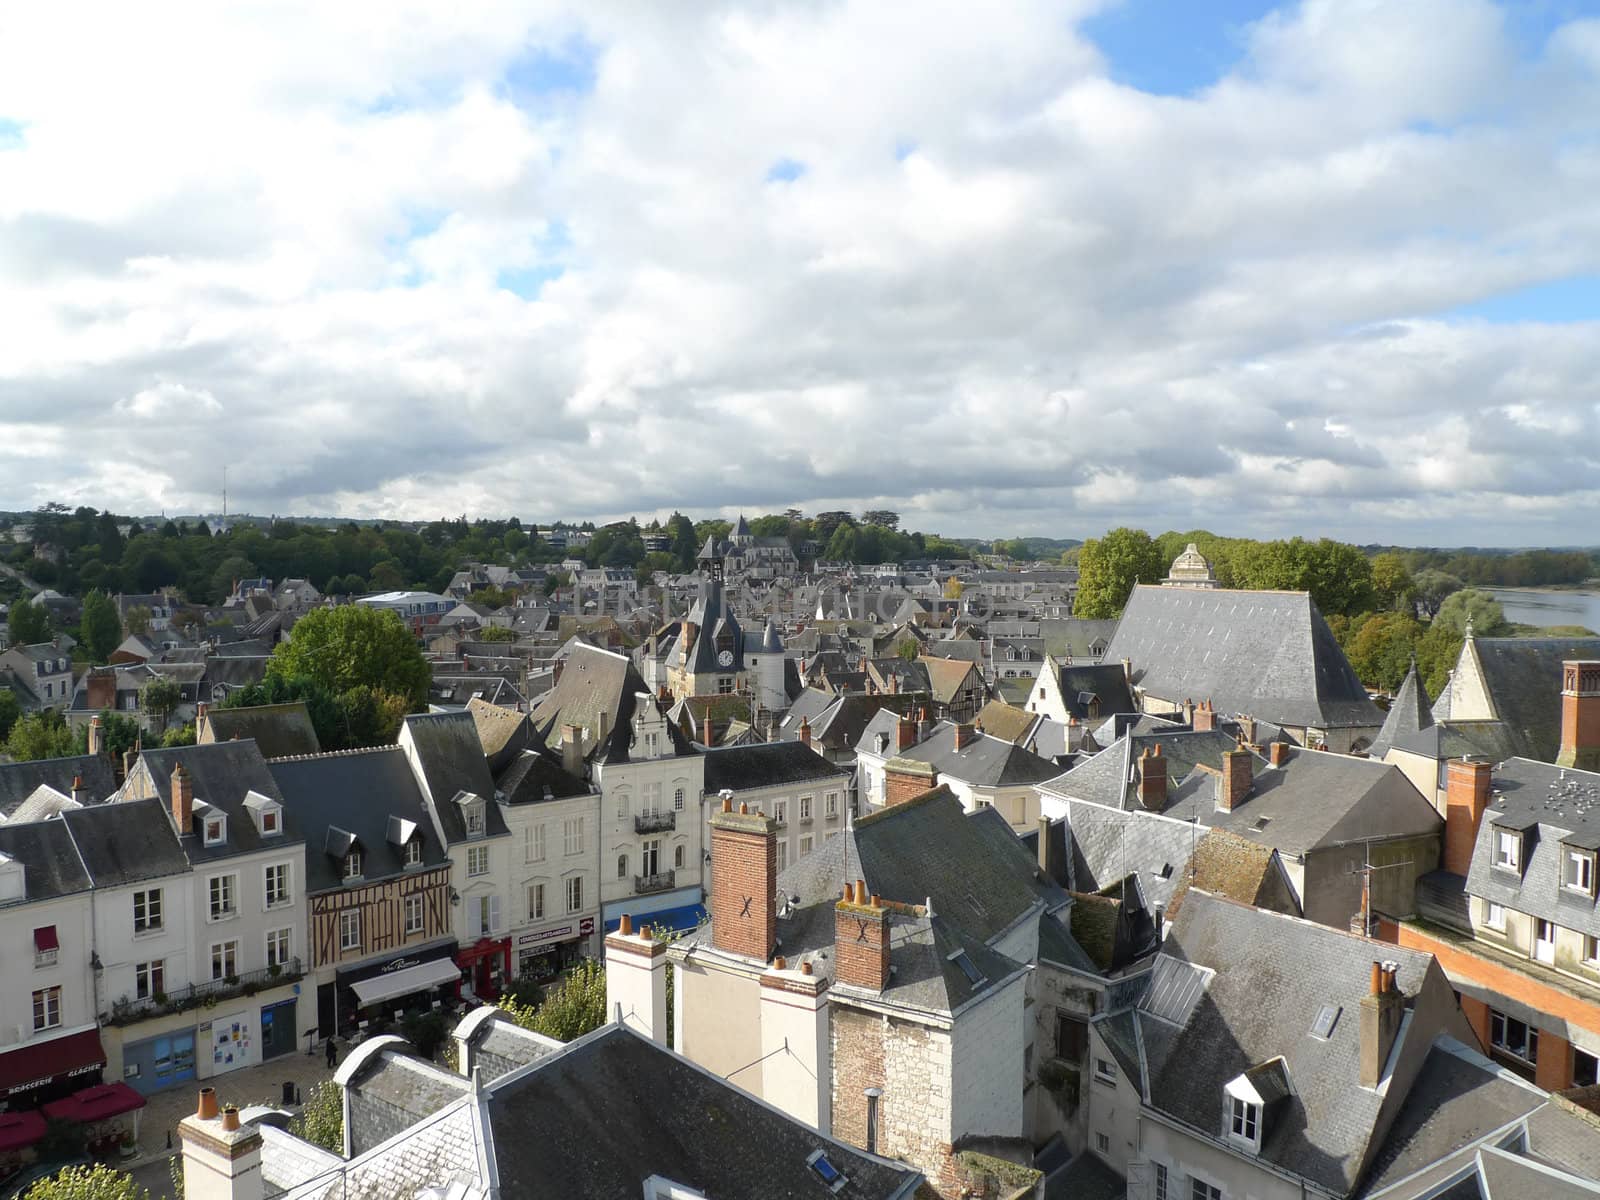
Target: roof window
[{"x": 819, "y": 1162}]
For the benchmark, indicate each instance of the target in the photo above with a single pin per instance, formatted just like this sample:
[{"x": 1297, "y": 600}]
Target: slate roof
[
  {"x": 1225, "y": 864},
  {"x": 358, "y": 792},
  {"x": 947, "y": 675},
  {"x": 222, "y": 775},
  {"x": 394, "y": 1091},
  {"x": 1006, "y": 721},
  {"x": 1266, "y": 654},
  {"x": 51, "y": 864},
  {"x": 598, "y": 684},
  {"x": 1272, "y": 976},
  {"x": 984, "y": 761},
  {"x": 767, "y": 764},
  {"x": 452, "y": 761},
  {"x": 503, "y": 733},
  {"x": 1106, "y": 683},
  {"x": 278, "y": 730},
  {"x": 1552, "y": 804},
  {"x": 1522, "y": 677},
  {"x": 1408, "y": 714},
  {"x": 1492, "y": 740},
  {"x": 125, "y": 843},
  {"x": 537, "y": 775},
  {"x": 20, "y": 780},
  {"x": 1074, "y": 636}
]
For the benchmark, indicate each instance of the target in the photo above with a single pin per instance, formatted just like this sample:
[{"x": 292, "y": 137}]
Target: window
[
  {"x": 533, "y": 844},
  {"x": 224, "y": 960},
  {"x": 350, "y": 929},
  {"x": 1245, "y": 1119},
  {"x": 572, "y": 836},
  {"x": 622, "y": 866},
  {"x": 1102, "y": 1143},
  {"x": 223, "y": 891},
  {"x": 149, "y": 978},
  {"x": 477, "y": 860},
  {"x": 352, "y": 863},
  {"x": 1508, "y": 849},
  {"x": 1544, "y": 940},
  {"x": 1513, "y": 1036},
  {"x": 830, "y": 805},
  {"x": 677, "y": 800},
  {"x": 622, "y": 806},
  {"x": 536, "y": 902},
  {"x": 147, "y": 911},
  {"x": 1577, "y": 871},
  {"x": 46, "y": 1008},
  {"x": 805, "y": 809},
  {"x": 1162, "y": 1192},
  {"x": 1072, "y": 1037},
  {"x": 485, "y": 915},
  {"x": 414, "y": 850},
  {"x": 575, "y": 893},
  {"x": 216, "y": 831},
  {"x": 278, "y": 943},
  {"x": 677, "y": 857},
  {"x": 1199, "y": 1189},
  {"x": 805, "y": 845},
  {"x": 474, "y": 819},
  {"x": 269, "y": 821},
  {"x": 651, "y": 802},
  {"x": 1585, "y": 1068},
  {"x": 783, "y": 855},
  {"x": 1591, "y": 950},
  {"x": 277, "y": 884},
  {"x": 1105, "y": 1070},
  {"x": 780, "y": 811},
  {"x": 1495, "y": 917},
  {"x": 724, "y": 685},
  {"x": 413, "y": 915},
  {"x": 650, "y": 859}
]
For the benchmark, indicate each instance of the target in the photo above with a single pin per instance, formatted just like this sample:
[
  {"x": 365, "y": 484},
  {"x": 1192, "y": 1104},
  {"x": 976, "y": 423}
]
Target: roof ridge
[{"x": 348, "y": 753}]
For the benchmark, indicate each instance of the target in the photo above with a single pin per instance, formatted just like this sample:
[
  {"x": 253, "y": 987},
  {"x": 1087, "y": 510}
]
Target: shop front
[
  {"x": 46, "y": 1069},
  {"x": 670, "y": 912},
  {"x": 544, "y": 953},
  {"x": 485, "y": 967},
  {"x": 418, "y": 979}
]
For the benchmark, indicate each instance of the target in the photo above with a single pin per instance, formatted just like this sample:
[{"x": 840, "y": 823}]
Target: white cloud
[{"x": 292, "y": 239}]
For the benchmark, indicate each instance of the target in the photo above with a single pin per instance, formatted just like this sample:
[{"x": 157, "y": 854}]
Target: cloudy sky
[{"x": 1329, "y": 267}]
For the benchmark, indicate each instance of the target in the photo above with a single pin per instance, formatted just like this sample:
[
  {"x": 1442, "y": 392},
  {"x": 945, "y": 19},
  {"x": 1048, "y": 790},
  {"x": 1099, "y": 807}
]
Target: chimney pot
[
  {"x": 625, "y": 926},
  {"x": 780, "y": 963},
  {"x": 1377, "y": 978},
  {"x": 1279, "y": 753},
  {"x": 805, "y": 967},
  {"x": 208, "y": 1104},
  {"x": 230, "y": 1117},
  {"x": 744, "y": 808},
  {"x": 727, "y": 804}
]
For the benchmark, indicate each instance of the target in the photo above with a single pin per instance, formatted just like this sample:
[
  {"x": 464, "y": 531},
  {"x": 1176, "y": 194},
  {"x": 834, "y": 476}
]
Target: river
[{"x": 1550, "y": 608}]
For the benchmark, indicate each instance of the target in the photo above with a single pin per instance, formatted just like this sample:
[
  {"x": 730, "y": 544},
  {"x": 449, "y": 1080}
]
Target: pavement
[{"x": 158, "y": 1122}]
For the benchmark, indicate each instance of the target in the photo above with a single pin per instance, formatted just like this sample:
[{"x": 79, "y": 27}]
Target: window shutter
[{"x": 494, "y": 912}]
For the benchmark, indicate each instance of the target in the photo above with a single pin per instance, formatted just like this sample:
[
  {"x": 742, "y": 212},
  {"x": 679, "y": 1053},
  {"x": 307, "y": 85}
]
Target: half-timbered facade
[{"x": 351, "y": 924}]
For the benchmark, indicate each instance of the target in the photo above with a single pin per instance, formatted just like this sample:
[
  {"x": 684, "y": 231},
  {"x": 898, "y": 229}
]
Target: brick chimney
[
  {"x": 861, "y": 939},
  {"x": 1466, "y": 798},
  {"x": 805, "y": 732},
  {"x": 1279, "y": 753},
  {"x": 966, "y": 734},
  {"x": 1580, "y": 715},
  {"x": 1205, "y": 718},
  {"x": 744, "y": 882},
  {"x": 221, "y": 1156},
  {"x": 79, "y": 792},
  {"x": 905, "y": 779},
  {"x": 97, "y": 736},
  {"x": 905, "y": 733},
  {"x": 708, "y": 729},
  {"x": 1381, "y": 1011},
  {"x": 182, "y": 800},
  {"x": 1234, "y": 785},
  {"x": 1153, "y": 779}
]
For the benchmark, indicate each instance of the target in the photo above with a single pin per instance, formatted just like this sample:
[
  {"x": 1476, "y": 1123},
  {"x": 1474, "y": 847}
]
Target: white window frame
[
  {"x": 150, "y": 899},
  {"x": 413, "y": 855},
  {"x": 279, "y": 946},
  {"x": 477, "y": 861},
  {"x": 349, "y": 929},
  {"x": 572, "y": 836},
  {"x": 1508, "y": 849},
  {"x": 536, "y": 900},
  {"x": 574, "y": 894},
  {"x": 1105, "y": 1070},
  {"x": 805, "y": 810},
  {"x": 679, "y": 798},
  {"x": 1244, "y": 1120},
  {"x": 272, "y": 817},
  {"x": 533, "y": 843},
  {"x": 353, "y": 864},
  {"x": 230, "y": 894},
  {"x": 830, "y": 805},
  {"x": 806, "y": 842},
  {"x": 1501, "y": 1043},
  {"x": 149, "y": 978},
  {"x": 225, "y": 959},
  {"x": 413, "y": 906},
  {"x": 1577, "y": 871},
  {"x": 286, "y": 894},
  {"x": 47, "y": 1008},
  {"x": 218, "y": 823},
  {"x": 1494, "y": 916}
]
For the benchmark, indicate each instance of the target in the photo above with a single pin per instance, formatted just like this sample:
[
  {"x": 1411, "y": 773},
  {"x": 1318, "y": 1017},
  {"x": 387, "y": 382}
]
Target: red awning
[
  {"x": 44, "y": 938},
  {"x": 19, "y": 1129},
  {"x": 98, "y": 1103},
  {"x": 44, "y": 1060}
]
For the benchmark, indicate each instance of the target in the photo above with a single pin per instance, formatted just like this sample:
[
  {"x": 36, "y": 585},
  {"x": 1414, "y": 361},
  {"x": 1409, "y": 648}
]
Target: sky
[{"x": 1328, "y": 268}]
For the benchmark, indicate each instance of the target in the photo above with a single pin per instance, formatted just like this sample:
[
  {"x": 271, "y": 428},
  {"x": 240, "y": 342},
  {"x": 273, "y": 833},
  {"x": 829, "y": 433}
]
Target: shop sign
[
  {"x": 547, "y": 935},
  {"x": 586, "y": 927}
]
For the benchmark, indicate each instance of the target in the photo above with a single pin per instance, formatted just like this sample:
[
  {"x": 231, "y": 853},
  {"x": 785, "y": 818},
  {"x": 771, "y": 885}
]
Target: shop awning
[
  {"x": 19, "y": 1129},
  {"x": 98, "y": 1103},
  {"x": 671, "y": 920},
  {"x": 44, "y": 939},
  {"x": 405, "y": 981},
  {"x": 43, "y": 1060}
]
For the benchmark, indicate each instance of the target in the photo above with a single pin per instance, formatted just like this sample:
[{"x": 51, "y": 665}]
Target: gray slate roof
[
  {"x": 1523, "y": 679},
  {"x": 279, "y": 730},
  {"x": 125, "y": 843},
  {"x": 1408, "y": 714},
  {"x": 51, "y": 864},
  {"x": 452, "y": 761},
  {"x": 1106, "y": 683},
  {"x": 222, "y": 775},
  {"x": 598, "y": 684},
  {"x": 20, "y": 780},
  {"x": 985, "y": 761},
  {"x": 1265, "y": 654},
  {"x": 768, "y": 764}
]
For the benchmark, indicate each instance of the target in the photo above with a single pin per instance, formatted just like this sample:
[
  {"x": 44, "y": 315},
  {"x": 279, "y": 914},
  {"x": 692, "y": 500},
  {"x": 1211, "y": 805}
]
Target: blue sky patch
[
  {"x": 785, "y": 170},
  {"x": 543, "y": 71},
  {"x": 1556, "y": 301},
  {"x": 10, "y": 133},
  {"x": 1174, "y": 49},
  {"x": 904, "y": 148}
]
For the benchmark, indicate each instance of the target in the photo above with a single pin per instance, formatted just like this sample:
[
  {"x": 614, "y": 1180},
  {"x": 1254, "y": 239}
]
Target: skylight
[
  {"x": 961, "y": 959},
  {"x": 826, "y": 1171},
  {"x": 1327, "y": 1017}
]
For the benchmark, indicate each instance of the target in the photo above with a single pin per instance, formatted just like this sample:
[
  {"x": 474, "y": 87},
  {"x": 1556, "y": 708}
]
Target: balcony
[
  {"x": 655, "y": 822},
  {"x": 662, "y": 881},
  {"x": 125, "y": 1011}
]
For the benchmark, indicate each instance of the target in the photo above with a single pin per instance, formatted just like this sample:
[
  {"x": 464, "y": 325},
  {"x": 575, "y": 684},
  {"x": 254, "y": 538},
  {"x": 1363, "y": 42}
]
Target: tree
[
  {"x": 684, "y": 548},
  {"x": 10, "y": 713},
  {"x": 843, "y": 545},
  {"x": 29, "y": 623},
  {"x": 40, "y": 735},
  {"x": 1391, "y": 582},
  {"x": 1433, "y": 587},
  {"x": 1382, "y": 648},
  {"x": 97, "y": 1182},
  {"x": 887, "y": 518},
  {"x": 321, "y": 1119},
  {"x": 497, "y": 633},
  {"x": 183, "y": 735},
  {"x": 371, "y": 717},
  {"x": 101, "y": 627},
  {"x": 355, "y": 646},
  {"x": 953, "y": 588},
  {"x": 159, "y": 699},
  {"x": 138, "y": 619},
  {"x": 118, "y": 735},
  {"x": 1109, "y": 567},
  {"x": 572, "y": 1008},
  {"x": 1483, "y": 610},
  {"x": 908, "y": 649}
]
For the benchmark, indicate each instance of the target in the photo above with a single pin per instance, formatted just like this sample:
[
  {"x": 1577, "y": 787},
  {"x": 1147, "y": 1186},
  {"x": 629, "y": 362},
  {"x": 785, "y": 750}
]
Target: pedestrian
[{"x": 333, "y": 1053}]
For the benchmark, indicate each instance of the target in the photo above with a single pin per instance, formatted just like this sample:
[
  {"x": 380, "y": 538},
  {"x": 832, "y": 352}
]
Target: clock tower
[{"x": 708, "y": 658}]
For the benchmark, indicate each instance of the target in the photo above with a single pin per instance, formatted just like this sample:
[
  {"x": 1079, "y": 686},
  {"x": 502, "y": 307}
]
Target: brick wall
[
  {"x": 744, "y": 867},
  {"x": 861, "y": 945},
  {"x": 1467, "y": 795},
  {"x": 905, "y": 780}
]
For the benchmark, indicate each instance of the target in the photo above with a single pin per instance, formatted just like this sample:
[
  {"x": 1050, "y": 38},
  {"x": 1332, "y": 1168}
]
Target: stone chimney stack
[
  {"x": 221, "y": 1157},
  {"x": 572, "y": 750},
  {"x": 966, "y": 734},
  {"x": 182, "y": 800},
  {"x": 1205, "y": 718},
  {"x": 636, "y": 980},
  {"x": 97, "y": 736},
  {"x": 805, "y": 732},
  {"x": 744, "y": 882},
  {"x": 861, "y": 939},
  {"x": 1278, "y": 753},
  {"x": 1580, "y": 716},
  {"x": 905, "y": 734},
  {"x": 924, "y": 725},
  {"x": 1381, "y": 1011},
  {"x": 1234, "y": 784},
  {"x": 1153, "y": 779},
  {"x": 1466, "y": 799}
]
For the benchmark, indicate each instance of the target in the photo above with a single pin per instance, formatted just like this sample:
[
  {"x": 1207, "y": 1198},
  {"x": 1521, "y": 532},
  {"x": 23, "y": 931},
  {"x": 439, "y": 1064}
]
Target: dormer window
[
  {"x": 1249, "y": 1100},
  {"x": 1508, "y": 849},
  {"x": 414, "y": 852},
  {"x": 266, "y": 812},
  {"x": 352, "y": 863},
  {"x": 1577, "y": 870},
  {"x": 1244, "y": 1120},
  {"x": 215, "y": 830},
  {"x": 269, "y": 822},
  {"x": 474, "y": 820}
]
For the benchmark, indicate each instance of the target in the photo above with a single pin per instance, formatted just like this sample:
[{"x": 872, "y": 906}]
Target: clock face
[{"x": 726, "y": 658}]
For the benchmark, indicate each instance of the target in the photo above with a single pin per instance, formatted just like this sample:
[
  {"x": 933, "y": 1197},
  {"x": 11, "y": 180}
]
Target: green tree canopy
[
  {"x": 97, "y": 1182},
  {"x": 40, "y": 735},
  {"x": 321, "y": 1119},
  {"x": 29, "y": 623},
  {"x": 573, "y": 1007},
  {"x": 1392, "y": 584},
  {"x": 355, "y": 646},
  {"x": 1109, "y": 567},
  {"x": 10, "y": 713},
  {"x": 1483, "y": 610},
  {"x": 159, "y": 699},
  {"x": 101, "y": 628}
]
